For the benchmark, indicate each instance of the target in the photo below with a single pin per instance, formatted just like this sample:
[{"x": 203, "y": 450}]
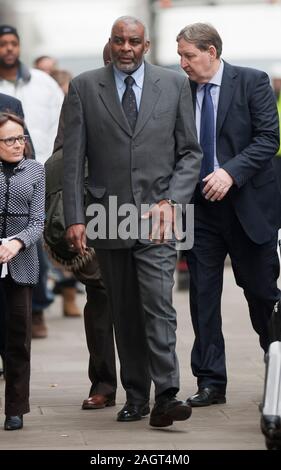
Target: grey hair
[
  {"x": 132, "y": 20},
  {"x": 202, "y": 35}
]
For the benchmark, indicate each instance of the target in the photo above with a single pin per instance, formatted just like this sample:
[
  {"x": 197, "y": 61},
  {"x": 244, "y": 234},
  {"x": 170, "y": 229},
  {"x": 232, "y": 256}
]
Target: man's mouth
[
  {"x": 126, "y": 59},
  {"x": 10, "y": 57}
]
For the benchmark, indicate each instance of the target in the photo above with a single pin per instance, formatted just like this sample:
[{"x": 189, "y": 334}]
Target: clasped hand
[
  {"x": 217, "y": 185},
  {"x": 9, "y": 250}
]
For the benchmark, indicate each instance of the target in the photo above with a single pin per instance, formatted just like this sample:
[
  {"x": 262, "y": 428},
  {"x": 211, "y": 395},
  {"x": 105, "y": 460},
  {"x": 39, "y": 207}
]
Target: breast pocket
[{"x": 162, "y": 113}]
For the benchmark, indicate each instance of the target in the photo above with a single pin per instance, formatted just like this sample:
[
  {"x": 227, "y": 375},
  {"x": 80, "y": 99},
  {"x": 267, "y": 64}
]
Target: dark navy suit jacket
[{"x": 247, "y": 138}]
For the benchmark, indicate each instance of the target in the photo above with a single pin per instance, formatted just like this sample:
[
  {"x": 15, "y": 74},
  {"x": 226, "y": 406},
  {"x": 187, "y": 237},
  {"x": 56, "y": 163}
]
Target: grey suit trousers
[{"x": 139, "y": 282}]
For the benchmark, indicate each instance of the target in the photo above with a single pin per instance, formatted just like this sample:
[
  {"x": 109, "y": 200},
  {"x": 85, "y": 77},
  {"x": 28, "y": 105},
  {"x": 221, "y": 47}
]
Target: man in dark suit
[
  {"x": 7, "y": 103},
  {"x": 237, "y": 203},
  {"x": 134, "y": 121}
]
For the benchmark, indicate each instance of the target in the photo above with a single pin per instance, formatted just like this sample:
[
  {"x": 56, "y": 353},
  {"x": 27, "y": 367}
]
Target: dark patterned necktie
[
  {"x": 129, "y": 102},
  {"x": 207, "y": 128}
]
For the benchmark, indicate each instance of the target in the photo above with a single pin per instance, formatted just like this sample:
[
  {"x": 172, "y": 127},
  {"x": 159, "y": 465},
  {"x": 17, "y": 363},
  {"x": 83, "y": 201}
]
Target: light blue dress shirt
[
  {"x": 215, "y": 93},
  {"x": 138, "y": 76}
]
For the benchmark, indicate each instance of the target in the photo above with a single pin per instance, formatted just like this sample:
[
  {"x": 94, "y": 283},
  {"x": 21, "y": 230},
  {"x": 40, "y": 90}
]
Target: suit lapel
[
  {"x": 109, "y": 95},
  {"x": 226, "y": 93},
  {"x": 149, "y": 98}
]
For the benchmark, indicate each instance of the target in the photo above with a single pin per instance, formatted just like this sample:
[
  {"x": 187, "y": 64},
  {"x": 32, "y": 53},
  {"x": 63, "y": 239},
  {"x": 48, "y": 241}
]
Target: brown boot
[
  {"x": 39, "y": 328},
  {"x": 70, "y": 308}
]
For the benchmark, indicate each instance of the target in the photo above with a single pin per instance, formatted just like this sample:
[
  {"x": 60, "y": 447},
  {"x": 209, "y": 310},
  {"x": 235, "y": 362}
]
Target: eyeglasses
[{"x": 9, "y": 141}]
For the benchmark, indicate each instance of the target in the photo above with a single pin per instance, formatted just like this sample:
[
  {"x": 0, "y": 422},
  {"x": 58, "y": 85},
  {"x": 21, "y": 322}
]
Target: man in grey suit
[{"x": 134, "y": 121}]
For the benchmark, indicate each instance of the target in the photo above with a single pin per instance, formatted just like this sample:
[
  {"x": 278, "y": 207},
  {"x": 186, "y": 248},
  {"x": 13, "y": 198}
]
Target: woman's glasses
[{"x": 10, "y": 141}]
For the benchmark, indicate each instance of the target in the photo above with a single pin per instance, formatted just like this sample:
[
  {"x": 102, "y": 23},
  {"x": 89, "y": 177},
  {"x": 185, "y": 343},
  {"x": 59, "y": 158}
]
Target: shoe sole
[
  {"x": 215, "y": 401},
  {"x": 98, "y": 407},
  {"x": 179, "y": 413}
]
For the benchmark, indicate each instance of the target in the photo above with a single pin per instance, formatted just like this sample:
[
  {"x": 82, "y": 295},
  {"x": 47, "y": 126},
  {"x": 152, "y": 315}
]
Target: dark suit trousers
[
  {"x": 218, "y": 232},
  {"x": 139, "y": 282},
  {"x": 18, "y": 341},
  {"x": 100, "y": 342}
]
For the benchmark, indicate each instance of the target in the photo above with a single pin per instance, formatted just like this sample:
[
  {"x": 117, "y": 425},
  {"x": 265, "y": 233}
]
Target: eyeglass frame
[{"x": 15, "y": 139}]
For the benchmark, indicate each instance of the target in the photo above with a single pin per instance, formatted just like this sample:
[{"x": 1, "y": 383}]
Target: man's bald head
[
  {"x": 131, "y": 20},
  {"x": 128, "y": 43}
]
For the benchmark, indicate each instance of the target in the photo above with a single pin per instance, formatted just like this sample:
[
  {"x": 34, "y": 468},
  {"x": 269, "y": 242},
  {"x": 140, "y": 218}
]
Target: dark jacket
[{"x": 247, "y": 138}]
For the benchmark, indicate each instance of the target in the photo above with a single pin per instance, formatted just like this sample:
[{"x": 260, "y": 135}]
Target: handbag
[{"x": 54, "y": 229}]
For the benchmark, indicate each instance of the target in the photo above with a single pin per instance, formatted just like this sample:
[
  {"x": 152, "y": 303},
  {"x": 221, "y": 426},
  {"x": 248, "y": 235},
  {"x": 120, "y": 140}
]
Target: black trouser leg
[
  {"x": 100, "y": 341},
  {"x": 18, "y": 341}
]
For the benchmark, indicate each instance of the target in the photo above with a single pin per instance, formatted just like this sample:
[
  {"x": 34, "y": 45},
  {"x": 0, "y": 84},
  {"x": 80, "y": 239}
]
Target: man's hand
[
  {"x": 76, "y": 238},
  {"x": 217, "y": 185},
  {"x": 9, "y": 250},
  {"x": 163, "y": 221}
]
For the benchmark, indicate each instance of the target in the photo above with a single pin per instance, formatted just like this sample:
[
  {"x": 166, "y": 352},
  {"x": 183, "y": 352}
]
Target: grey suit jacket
[{"x": 159, "y": 160}]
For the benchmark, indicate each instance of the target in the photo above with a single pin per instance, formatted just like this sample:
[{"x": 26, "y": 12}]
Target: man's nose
[
  {"x": 183, "y": 62},
  {"x": 126, "y": 46}
]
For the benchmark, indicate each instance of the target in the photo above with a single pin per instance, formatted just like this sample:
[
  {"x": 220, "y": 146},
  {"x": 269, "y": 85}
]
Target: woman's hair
[{"x": 8, "y": 115}]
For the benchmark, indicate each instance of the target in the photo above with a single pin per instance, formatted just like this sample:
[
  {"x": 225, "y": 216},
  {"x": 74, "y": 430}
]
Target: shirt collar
[
  {"x": 216, "y": 79},
  {"x": 23, "y": 73},
  {"x": 138, "y": 76}
]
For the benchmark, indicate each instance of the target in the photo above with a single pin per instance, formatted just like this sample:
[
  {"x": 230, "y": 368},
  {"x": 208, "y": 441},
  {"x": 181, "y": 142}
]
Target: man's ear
[
  {"x": 213, "y": 52},
  {"x": 146, "y": 46}
]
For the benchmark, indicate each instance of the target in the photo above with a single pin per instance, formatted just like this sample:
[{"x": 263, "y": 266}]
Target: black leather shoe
[
  {"x": 166, "y": 411},
  {"x": 205, "y": 397},
  {"x": 132, "y": 412},
  {"x": 13, "y": 422}
]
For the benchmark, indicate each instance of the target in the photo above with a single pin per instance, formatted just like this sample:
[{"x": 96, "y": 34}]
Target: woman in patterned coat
[{"x": 22, "y": 194}]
